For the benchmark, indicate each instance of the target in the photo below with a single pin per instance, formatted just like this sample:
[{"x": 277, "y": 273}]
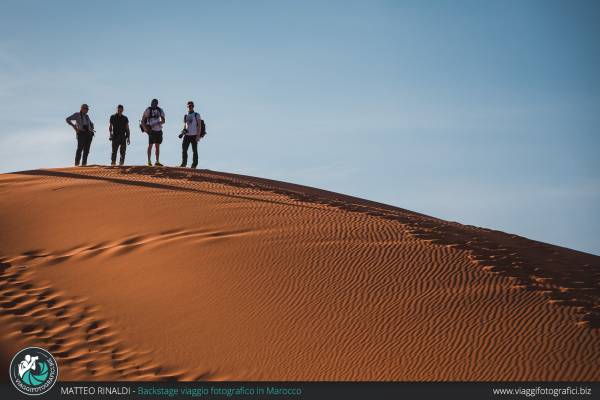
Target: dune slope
[{"x": 164, "y": 273}]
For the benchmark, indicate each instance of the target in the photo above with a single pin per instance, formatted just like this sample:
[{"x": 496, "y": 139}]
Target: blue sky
[{"x": 485, "y": 113}]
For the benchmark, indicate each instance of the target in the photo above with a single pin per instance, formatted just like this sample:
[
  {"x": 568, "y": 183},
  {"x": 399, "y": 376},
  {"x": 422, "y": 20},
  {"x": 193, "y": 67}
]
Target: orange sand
[{"x": 147, "y": 273}]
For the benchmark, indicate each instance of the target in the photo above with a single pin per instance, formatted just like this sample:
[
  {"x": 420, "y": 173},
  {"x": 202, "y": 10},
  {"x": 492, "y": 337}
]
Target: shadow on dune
[{"x": 153, "y": 185}]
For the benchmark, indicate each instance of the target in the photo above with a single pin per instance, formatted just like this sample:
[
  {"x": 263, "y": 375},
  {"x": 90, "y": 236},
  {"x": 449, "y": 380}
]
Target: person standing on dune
[
  {"x": 191, "y": 133},
  {"x": 84, "y": 129},
  {"x": 118, "y": 128},
  {"x": 152, "y": 121}
]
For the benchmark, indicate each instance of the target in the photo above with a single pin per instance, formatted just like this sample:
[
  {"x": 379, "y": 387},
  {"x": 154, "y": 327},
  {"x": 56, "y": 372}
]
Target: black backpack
[{"x": 202, "y": 128}]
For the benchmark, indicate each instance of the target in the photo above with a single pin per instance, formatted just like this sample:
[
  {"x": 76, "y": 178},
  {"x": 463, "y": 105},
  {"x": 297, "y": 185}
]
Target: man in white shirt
[
  {"x": 84, "y": 129},
  {"x": 152, "y": 121},
  {"x": 191, "y": 135}
]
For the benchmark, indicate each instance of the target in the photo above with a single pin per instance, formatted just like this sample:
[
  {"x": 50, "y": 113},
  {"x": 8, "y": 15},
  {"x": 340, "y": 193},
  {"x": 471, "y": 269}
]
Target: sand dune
[{"x": 164, "y": 273}]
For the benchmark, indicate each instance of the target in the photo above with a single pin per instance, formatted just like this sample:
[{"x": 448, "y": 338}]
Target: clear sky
[{"x": 481, "y": 112}]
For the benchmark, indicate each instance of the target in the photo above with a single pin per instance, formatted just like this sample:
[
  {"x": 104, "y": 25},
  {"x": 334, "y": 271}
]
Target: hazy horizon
[{"x": 481, "y": 113}]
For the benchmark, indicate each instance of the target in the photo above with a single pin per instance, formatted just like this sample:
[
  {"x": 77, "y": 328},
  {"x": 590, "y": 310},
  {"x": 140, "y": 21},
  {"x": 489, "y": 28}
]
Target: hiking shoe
[
  {"x": 113, "y": 163},
  {"x": 149, "y": 163},
  {"x": 182, "y": 166},
  {"x": 193, "y": 166},
  {"x": 157, "y": 164}
]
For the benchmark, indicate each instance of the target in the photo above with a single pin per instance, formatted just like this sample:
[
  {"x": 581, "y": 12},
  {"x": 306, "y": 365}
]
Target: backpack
[
  {"x": 154, "y": 113},
  {"x": 150, "y": 115},
  {"x": 202, "y": 128}
]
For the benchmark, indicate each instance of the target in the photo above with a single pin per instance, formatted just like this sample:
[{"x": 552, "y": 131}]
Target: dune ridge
[{"x": 322, "y": 285}]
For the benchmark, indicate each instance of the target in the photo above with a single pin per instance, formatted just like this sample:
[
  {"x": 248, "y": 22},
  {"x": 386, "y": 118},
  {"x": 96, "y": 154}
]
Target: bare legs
[{"x": 156, "y": 152}]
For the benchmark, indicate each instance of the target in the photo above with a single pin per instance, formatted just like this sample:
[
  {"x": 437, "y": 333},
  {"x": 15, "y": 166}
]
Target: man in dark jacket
[{"x": 118, "y": 128}]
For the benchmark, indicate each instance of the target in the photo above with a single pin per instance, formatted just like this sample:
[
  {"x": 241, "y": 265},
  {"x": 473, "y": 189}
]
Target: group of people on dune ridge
[{"x": 151, "y": 123}]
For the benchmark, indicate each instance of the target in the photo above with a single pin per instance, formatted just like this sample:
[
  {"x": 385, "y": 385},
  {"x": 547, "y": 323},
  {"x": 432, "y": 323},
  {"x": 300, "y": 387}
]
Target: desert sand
[{"x": 142, "y": 273}]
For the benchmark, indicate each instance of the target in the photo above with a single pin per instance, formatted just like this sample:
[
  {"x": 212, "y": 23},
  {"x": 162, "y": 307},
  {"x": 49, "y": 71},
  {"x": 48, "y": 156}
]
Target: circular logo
[{"x": 33, "y": 371}]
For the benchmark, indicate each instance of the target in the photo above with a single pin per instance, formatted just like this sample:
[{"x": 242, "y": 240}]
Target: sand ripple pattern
[
  {"x": 74, "y": 332},
  {"x": 299, "y": 283},
  {"x": 566, "y": 277}
]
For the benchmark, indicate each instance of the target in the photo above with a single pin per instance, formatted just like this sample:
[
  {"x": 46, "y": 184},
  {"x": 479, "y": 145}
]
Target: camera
[{"x": 183, "y": 132}]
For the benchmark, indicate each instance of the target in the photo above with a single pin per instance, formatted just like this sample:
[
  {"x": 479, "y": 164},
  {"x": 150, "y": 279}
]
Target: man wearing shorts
[{"x": 152, "y": 121}]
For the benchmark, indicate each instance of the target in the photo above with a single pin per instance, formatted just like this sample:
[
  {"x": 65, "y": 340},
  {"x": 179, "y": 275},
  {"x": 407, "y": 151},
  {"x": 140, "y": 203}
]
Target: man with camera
[
  {"x": 191, "y": 134},
  {"x": 118, "y": 129},
  {"x": 84, "y": 129},
  {"x": 152, "y": 122}
]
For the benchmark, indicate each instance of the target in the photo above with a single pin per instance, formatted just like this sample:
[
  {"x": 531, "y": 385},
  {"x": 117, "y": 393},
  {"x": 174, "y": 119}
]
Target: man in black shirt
[{"x": 119, "y": 135}]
